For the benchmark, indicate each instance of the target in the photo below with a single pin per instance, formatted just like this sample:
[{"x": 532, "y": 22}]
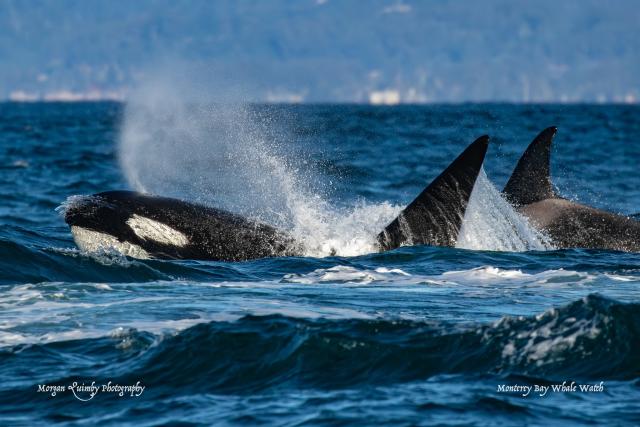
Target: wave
[
  {"x": 489, "y": 275},
  {"x": 594, "y": 338},
  {"x": 23, "y": 263},
  {"x": 347, "y": 274},
  {"x": 26, "y": 256}
]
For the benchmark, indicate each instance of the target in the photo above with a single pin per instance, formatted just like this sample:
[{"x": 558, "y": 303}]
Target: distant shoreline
[{"x": 359, "y": 104}]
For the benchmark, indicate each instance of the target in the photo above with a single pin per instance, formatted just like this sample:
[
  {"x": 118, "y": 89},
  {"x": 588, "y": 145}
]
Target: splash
[
  {"x": 326, "y": 231},
  {"x": 220, "y": 155},
  {"x": 491, "y": 223},
  {"x": 209, "y": 154},
  {"x": 234, "y": 156}
]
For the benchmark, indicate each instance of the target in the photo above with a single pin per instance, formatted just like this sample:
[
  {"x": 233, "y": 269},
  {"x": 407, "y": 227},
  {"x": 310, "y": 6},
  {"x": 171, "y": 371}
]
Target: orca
[
  {"x": 147, "y": 226},
  {"x": 568, "y": 224}
]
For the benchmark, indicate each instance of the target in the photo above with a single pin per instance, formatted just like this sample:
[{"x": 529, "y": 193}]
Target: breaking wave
[{"x": 592, "y": 338}]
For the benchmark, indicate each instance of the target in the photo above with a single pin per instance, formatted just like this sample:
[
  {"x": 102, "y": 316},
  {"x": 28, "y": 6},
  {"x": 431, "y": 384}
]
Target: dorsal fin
[
  {"x": 435, "y": 216},
  {"x": 530, "y": 181}
]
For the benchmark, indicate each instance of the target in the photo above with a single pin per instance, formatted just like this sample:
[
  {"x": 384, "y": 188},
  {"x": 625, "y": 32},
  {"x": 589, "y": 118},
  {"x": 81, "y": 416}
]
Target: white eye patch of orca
[
  {"x": 95, "y": 242},
  {"x": 149, "y": 229}
]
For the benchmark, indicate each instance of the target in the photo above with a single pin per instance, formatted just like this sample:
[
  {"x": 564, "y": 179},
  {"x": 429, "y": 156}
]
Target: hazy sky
[{"x": 326, "y": 50}]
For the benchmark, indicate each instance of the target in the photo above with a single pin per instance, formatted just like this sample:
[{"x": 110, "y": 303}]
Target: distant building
[
  {"x": 384, "y": 97},
  {"x": 280, "y": 97},
  {"x": 22, "y": 96}
]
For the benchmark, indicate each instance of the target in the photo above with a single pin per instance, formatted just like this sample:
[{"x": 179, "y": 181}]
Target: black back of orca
[
  {"x": 199, "y": 232},
  {"x": 568, "y": 224},
  {"x": 572, "y": 225}
]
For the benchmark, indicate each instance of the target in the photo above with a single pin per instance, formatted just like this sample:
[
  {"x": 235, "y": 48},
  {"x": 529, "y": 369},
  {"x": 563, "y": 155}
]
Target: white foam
[
  {"x": 547, "y": 339},
  {"x": 10, "y": 338},
  {"x": 491, "y": 223},
  {"x": 621, "y": 278},
  {"x": 486, "y": 273},
  {"x": 479, "y": 276},
  {"x": 345, "y": 274},
  {"x": 492, "y": 275},
  {"x": 327, "y": 232},
  {"x": 70, "y": 318}
]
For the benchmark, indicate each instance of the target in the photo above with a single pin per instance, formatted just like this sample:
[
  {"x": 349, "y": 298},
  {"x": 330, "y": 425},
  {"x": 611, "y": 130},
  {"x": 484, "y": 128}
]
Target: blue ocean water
[{"x": 415, "y": 336}]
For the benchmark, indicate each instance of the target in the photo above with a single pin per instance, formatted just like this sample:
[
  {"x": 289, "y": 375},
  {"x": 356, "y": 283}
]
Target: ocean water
[{"x": 344, "y": 336}]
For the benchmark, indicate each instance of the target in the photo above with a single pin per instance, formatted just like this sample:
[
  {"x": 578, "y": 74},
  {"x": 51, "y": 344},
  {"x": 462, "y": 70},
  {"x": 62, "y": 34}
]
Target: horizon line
[{"x": 345, "y": 103}]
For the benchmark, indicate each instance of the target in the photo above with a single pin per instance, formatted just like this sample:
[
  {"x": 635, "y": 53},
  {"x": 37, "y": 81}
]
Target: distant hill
[{"x": 327, "y": 50}]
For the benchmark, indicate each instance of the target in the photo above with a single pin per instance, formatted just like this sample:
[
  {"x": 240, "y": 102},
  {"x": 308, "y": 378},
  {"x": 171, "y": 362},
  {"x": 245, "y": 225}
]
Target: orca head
[
  {"x": 124, "y": 220},
  {"x": 94, "y": 213},
  {"x": 99, "y": 223}
]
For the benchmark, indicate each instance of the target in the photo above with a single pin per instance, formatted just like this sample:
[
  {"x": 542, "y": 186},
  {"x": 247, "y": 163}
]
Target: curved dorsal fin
[
  {"x": 530, "y": 181},
  {"x": 435, "y": 216}
]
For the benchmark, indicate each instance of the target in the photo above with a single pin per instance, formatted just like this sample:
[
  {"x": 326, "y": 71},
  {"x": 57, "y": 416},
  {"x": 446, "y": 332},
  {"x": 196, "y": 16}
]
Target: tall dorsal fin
[
  {"x": 435, "y": 216},
  {"x": 530, "y": 181}
]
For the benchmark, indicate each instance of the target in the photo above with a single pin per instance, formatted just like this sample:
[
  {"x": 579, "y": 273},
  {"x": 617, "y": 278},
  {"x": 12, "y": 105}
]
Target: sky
[{"x": 379, "y": 51}]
